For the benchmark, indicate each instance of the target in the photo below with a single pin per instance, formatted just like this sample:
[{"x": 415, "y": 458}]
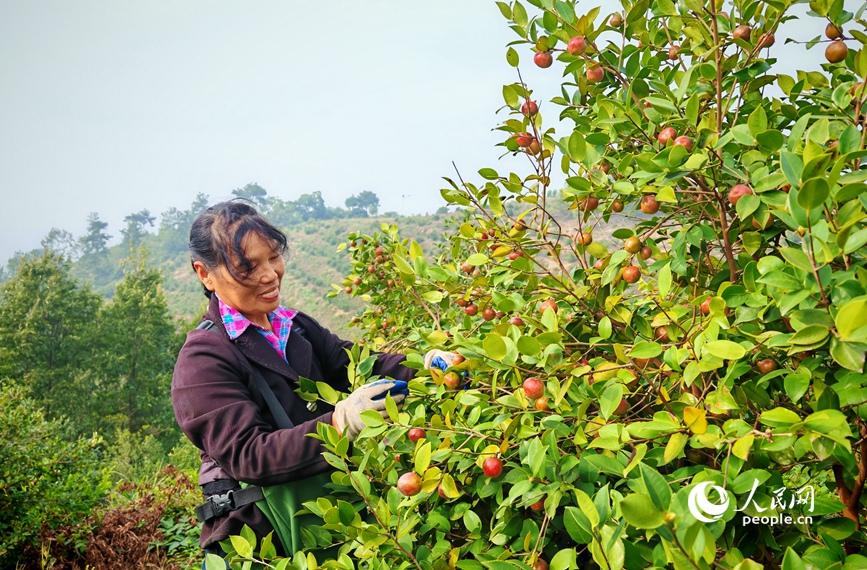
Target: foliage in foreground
[
  {"x": 720, "y": 346},
  {"x": 45, "y": 482}
]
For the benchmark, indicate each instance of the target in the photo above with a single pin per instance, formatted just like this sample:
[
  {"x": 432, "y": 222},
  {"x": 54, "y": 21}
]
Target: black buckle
[{"x": 222, "y": 503}]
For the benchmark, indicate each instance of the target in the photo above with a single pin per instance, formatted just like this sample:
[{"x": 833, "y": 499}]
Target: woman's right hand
[{"x": 347, "y": 413}]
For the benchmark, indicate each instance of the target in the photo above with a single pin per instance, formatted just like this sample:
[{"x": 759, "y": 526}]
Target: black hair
[{"x": 217, "y": 233}]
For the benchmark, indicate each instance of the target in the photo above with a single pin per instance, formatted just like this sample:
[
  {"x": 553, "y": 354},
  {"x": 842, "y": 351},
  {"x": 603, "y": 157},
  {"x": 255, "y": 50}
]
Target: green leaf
[
  {"x": 214, "y": 562},
  {"x": 241, "y": 546},
  {"x": 565, "y": 559},
  {"x": 663, "y": 280},
  {"x": 752, "y": 240},
  {"x": 810, "y": 335},
  {"x": 587, "y": 507},
  {"x": 645, "y": 350},
  {"x": 797, "y": 258},
  {"x": 519, "y": 15},
  {"x": 604, "y": 328},
  {"x": 610, "y": 399},
  {"x": 472, "y": 521},
  {"x": 328, "y": 393},
  {"x": 422, "y": 458},
  {"x": 403, "y": 266},
  {"x": 725, "y": 349},
  {"x": 747, "y": 205},
  {"x": 528, "y": 345},
  {"x": 657, "y": 487},
  {"x": 432, "y": 296},
  {"x": 510, "y": 96},
  {"x": 536, "y": 456},
  {"x": 577, "y": 150},
  {"x": 770, "y": 140},
  {"x": 490, "y": 173},
  {"x": 796, "y": 386},
  {"x": 597, "y": 250},
  {"x": 795, "y": 138},
  {"x": 742, "y": 446},
  {"x": 512, "y": 57},
  {"x": 477, "y": 259},
  {"x": 758, "y": 121},
  {"x": 792, "y": 166},
  {"x": 851, "y": 316},
  {"x": 813, "y": 193},
  {"x": 574, "y": 520},
  {"x": 847, "y": 355},
  {"x": 855, "y": 240},
  {"x": 566, "y": 11},
  {"x": 779, "y": 417},
  {"x": 495, "y": 347},
  {"x": 371, "y": 418},
  {"x": 850, "y": 140},
  {"x": 640, "y": 512},
  {"x": 828, "y": 422},
  {"x": 675, "y": 445},
  {"x": 791, "y": 560}
]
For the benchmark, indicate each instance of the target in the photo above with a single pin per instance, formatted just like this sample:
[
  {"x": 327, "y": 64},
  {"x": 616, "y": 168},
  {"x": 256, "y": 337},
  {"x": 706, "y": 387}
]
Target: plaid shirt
[{"x": 280, "y": 319}]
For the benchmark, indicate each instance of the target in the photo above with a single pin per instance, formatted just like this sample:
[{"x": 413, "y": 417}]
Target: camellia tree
[{"x": 686, "y": 390}]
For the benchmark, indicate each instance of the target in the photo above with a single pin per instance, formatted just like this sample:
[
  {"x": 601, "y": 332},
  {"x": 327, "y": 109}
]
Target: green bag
[{"x": 282, "y": 502}]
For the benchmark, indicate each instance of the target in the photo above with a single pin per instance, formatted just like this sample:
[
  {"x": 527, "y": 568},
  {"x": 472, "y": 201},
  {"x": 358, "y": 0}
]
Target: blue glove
[
  {"x": 440, "y": 363},
  {"x": 395, "y": 388}
]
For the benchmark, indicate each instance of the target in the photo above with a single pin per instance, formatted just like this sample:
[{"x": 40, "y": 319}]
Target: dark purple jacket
[{"x": 220, "y": 410}]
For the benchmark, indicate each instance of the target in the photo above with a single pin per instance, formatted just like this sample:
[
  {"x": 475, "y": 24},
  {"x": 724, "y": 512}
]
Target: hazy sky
[{"x": 114, "y": 107}]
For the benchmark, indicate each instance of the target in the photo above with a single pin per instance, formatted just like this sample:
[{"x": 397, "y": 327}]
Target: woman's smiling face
[{"x": 259, "y": 294}]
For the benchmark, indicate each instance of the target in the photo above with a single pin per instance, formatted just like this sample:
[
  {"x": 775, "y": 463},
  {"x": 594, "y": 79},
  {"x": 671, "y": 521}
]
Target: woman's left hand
[{"x": 447, "y": 357}]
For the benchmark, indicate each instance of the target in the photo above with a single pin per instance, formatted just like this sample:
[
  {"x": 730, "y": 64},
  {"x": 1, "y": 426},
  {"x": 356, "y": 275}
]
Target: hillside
[
  {"x": 313, "y": 262},
  {"x": 312, "y": 265}
]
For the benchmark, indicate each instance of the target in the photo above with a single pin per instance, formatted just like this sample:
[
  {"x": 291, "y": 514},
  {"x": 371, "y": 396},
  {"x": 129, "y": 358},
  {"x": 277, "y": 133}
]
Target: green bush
[
  {"x": 688, "y": 394},
  {"x": 134, "y": 456},
  {"x": 45, "y": 481}
]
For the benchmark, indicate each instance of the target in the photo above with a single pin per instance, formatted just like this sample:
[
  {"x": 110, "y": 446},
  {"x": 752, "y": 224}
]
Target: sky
[{"x": 115, "y": 107}]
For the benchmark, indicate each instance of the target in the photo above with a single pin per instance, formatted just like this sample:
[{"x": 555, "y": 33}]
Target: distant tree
[
  {"x": 46, "y": 325},
  {"x": 94, "y": 264},
  {"x": 311, "y": 206},
  {"x": 135, "y": 227},
  {"x": 175, "y": 219},
  {"x": 284, "y": 213},
  {"x": 254, "y": 193},
  {"x": 95, "y": 241},
  {"x": 174, "y": 230},
  {"x": 364, "y": 205},
  {"x": 62, "y": 242},
  {"x": 442, "y": 210},
  {"x": 136, "y": 356},
  {"x": 13, "y": 262}
]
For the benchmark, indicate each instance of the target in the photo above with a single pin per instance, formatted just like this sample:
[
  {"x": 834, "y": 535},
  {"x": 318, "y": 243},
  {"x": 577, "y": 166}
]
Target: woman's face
[{"x": 260, "y": 293}]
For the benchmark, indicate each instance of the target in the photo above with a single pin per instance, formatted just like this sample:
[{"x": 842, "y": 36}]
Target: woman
[{"x": 238, "y": 257}]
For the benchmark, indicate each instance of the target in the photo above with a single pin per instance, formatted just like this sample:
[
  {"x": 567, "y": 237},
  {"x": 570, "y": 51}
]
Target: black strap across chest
[
  {"x": 225, "y": 495},
  {"x": 277, "y": 412}
]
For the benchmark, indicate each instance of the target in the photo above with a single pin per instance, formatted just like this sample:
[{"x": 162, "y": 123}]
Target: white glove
[
  {"x": 347, "y": 413},
  {"x": 449, "y": 357}
]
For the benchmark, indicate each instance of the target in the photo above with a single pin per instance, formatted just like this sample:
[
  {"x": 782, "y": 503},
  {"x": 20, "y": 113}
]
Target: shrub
[
  {"x": 703, "y": 370},
  {"x": 45, "y": 481}
]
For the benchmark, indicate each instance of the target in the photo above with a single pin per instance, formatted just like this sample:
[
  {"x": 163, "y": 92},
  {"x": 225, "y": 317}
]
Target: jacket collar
[{"x": 259, "y": 352}]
